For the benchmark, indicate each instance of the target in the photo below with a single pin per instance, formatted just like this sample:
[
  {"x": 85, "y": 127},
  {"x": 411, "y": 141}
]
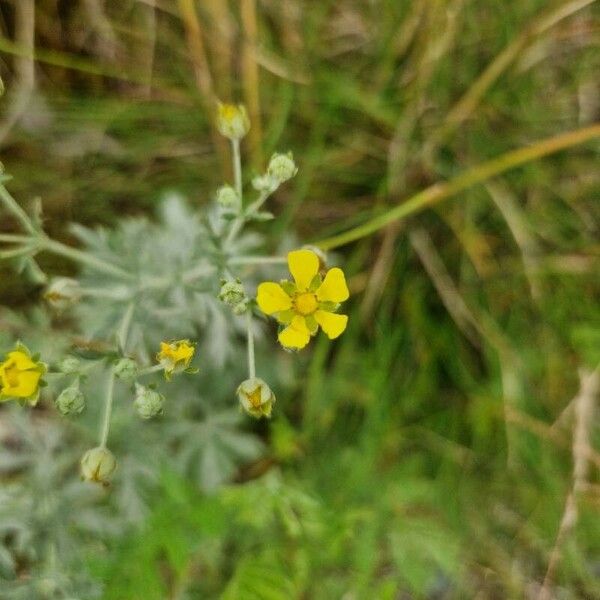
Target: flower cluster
[{"x": 306, "y": 302}]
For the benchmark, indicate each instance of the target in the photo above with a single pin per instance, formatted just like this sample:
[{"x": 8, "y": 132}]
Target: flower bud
[
  {"x": 228, "y": 198},
  {"x": 97, "y": 465},
  {"x": 63, "y": 292},
  {"x": 71, "y": 400},
  {"x": 232, "y": 292},
  {"x": 256, "y": 397},
  {"x": 148, "y": 403},
  {"x": 126, "y": 369},
  {"x": 265, "y": 184},
  {"x": 282, "y": 167},
  {"x": 69, "y": 365},
  {"x": 233, "y": 121}
]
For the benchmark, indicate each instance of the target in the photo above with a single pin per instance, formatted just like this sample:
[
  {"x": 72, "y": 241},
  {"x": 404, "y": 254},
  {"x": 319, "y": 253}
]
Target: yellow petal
[
  {"x": 26, "y": 386},
  {"x": 304, "y": 265},
  {"x": 333, "y": 325},
  {"x": 271, "y": 298},
  {"x": 296, "y": 334},
  {"x": 21, "y": 360},
  {"x": 333, "y": 288}
]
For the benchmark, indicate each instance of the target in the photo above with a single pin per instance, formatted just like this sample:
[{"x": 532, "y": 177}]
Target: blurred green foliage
[{"x": 426, "y": 453}]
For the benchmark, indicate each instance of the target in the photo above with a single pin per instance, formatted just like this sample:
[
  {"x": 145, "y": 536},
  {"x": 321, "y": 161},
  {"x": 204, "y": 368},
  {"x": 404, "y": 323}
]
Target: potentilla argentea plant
[{"x": 160, "y": 301}]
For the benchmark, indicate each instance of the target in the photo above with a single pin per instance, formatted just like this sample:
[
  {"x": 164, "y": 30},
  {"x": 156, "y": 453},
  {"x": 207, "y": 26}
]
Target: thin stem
[
  {"x": 125, "y": 325},
  {"x": 13, "y": 207},
  {"x": 110, "y": 389},
  {"x": 258, "y": 260},
  {"x": 440, "y": 191},
  {"x": 84, "y": 258},
  {"x": 237, "y": 167},
  {"x": 238, "y": 222},
  {"x": 14, "y": 238},
  {"x": 150, "y": 370},
  {"x": 16, "y": 252},
  {"x": 258, "y": 202},
  {"x": 250, "y": 334}
]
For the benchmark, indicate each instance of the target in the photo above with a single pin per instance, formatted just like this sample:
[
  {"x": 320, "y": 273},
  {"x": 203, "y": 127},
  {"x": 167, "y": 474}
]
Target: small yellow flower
[
  {"x": 307, "y": 303},
  {"x": 232, "y": 120},
  {"x": 175, "y": 357},
  {"x": 20, "y": 376}
]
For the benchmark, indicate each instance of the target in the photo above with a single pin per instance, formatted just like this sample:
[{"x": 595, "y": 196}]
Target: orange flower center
[
  {"x": 306, "y": 303},
  {"x": 255, "y": 398}
]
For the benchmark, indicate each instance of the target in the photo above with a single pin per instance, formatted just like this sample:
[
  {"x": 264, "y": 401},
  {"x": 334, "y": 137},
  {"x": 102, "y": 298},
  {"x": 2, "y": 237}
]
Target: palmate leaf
[
  {"x": 210, "y": 451},
  {"x": 177, "y": 266}
]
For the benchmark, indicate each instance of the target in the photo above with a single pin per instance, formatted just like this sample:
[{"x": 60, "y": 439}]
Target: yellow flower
[
  {"x": 233, "y": 121},
  {"x": 20, "y": 376},
  {"x": 307, "y": 303},
  {"x": 175, "y": 356}
]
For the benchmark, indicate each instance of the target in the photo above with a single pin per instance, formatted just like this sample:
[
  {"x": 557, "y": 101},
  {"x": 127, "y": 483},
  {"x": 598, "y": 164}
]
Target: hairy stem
[
  {"x": 110, "y": 390},
  {"x": 251, "y": 359},
  {"x": 13, "y": 207},
  {"x": 84, "y": 258}
]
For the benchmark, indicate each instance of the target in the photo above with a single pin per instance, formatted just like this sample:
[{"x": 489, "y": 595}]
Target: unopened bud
[
  {"x": 265, "y": 184},
  {"x": 282, "y": 167},
  {"x": 148, "y": 403},
  {"x": 256, "y": 397},
  {"x": 63, "y": 292},
  {"x": 232, "y": 292},
  {"x": 71, "y": 400},
  {"x": 233, "y": 121},
  {"x": 69, "y": 365},
  {"x": 97, "y": 465},
  {"x": 126, "y": 369},
  {"x": 228, "y": 198}
]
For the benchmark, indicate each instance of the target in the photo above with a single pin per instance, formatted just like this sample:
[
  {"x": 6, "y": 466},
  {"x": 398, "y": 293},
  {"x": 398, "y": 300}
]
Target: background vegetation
[{"x": 445, "y": 446}]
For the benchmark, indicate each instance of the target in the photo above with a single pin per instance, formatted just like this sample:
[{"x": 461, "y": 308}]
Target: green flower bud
[
  {"x": 148, "y": 403},
  {"x": 265, "y": 183},
  {"x": 256, "y": 397},
  {"x": 282, "y": 167},
  {"x": 126, "y": 369},
  {"x": 233, "y": 121},
  {"x": 63, "y": 292},
  {"x": 69, "y": 365},
  {"x": 97, "y": 465},
  {"x": 71, "y": 400},
  {"x": 232, "y": 292},
  {"x": 227, "y": 197}
]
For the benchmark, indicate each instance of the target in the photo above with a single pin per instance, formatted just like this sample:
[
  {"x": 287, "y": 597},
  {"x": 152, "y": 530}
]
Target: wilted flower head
[
  {"x": 126, "y": 369},
  {"x": 256, "y": 397},
  {"x": 20, "y": 376},
  {"x": 63, "y": 292},
  {"x": 232, "y": 120},
  {"x": 282, "y": 167},
  {"x": 97, "y": 465},
  {"x": 71, "y": 400},
  {"x": 148, "y": 402},
  {"x": 176, "y": 356},
  {"x": 306, "y": 303}
]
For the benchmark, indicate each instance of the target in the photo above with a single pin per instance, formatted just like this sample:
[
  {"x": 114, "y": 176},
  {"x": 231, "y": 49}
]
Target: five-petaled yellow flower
[
  {"x": 307, "y": 303},
  {"x": 175, "y": 356},
  {"x": 20, "y": 376}
]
